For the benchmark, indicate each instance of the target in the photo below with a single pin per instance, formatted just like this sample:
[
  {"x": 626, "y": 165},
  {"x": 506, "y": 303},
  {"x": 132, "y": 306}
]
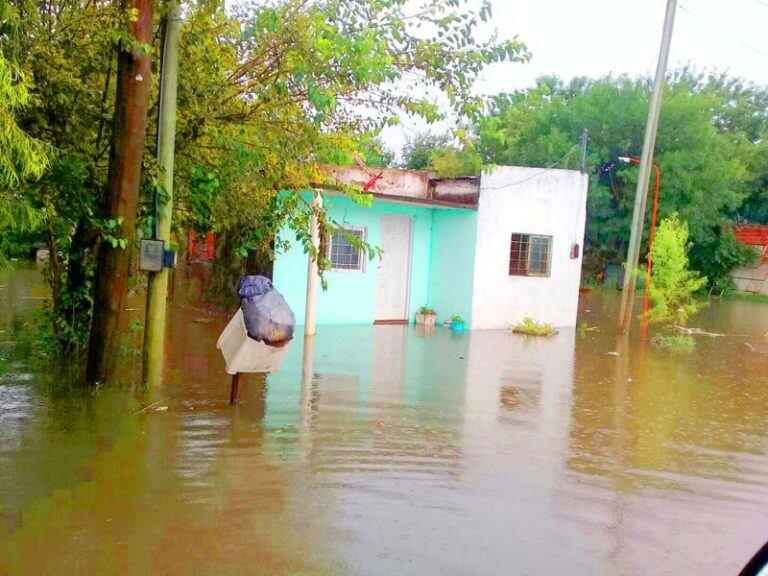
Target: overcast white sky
[{"x": 595, "y": 37}]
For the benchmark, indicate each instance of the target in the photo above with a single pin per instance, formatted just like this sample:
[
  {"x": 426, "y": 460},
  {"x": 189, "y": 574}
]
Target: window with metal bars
[
  {"x": 530, "y": 255},
  {"x": 342, "y": 253}
]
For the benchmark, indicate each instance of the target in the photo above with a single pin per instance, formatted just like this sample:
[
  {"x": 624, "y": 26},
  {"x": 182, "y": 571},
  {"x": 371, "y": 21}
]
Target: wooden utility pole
[
  {"x": 157, "y": 291},
  {"x": 134, "y": 82},
  {"x": 646, "y": 160}
]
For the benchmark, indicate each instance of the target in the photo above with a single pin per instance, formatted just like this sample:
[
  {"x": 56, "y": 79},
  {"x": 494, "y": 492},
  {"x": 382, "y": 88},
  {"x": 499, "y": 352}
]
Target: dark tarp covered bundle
[{"x": 268, "y": 318}]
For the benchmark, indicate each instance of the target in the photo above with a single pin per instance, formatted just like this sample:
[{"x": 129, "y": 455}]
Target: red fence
[
  {"x": 752, "y": 235},
  {"x": 201, "y": 249}
]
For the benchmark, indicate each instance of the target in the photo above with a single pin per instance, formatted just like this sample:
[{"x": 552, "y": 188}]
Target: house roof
[
  {"x": 427, "y": 203},
  {"x": 407, "y": 186}
]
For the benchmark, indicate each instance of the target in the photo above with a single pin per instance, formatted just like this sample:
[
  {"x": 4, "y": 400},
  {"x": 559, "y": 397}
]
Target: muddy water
[{"x": 392, "y": 451}]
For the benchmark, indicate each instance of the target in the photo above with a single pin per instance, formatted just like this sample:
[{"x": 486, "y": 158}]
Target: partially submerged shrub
[
  {"x": 676, "y": 341},
  {"x": 673, "y": 284},
  {"x": 530, "y": 327}
]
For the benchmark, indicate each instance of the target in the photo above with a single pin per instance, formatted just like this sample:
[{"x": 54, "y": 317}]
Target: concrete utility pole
[
  {"x": 157, "y": 293},
  {"x": 311, "y": 304},
  {"x": 641, "y": 195}
]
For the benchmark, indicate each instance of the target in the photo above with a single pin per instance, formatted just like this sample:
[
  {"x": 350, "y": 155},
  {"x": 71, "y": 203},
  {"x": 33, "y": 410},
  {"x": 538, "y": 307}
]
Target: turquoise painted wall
[
  {"x": 351, "y": 296},
  {"x": 454, "y": 233}
]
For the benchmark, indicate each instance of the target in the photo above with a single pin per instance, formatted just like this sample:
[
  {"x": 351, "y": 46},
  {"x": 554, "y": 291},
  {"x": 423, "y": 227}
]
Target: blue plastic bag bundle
[{"x": 268, "y": 318}]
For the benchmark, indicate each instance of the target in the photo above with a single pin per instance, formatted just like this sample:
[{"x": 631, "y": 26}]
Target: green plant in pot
[
  {"x": 426, "y": 316},
  {"x": 458, "y": 324}
]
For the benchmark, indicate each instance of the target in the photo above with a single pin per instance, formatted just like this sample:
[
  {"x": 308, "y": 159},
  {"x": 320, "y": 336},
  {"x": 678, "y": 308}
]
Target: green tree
[
  {"x": 71, "y": 110},
  {"x": 417, "y": 152},
  {"x": 442, "y": 155},
  {"x": 673, "y": 284},
  {"x": 454, "y": 161},
  {"x": 21, "y": 156}
]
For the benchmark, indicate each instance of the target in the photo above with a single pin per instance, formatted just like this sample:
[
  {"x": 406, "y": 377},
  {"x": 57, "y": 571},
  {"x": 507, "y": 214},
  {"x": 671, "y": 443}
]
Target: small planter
[
  {"x": 425, "y": 319},
  {"x": 458, "y": 324}
]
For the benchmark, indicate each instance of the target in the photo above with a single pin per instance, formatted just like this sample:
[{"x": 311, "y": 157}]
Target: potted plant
[
  {"x": 426, "y": 316},
  {"x": 457, "y": 323}
]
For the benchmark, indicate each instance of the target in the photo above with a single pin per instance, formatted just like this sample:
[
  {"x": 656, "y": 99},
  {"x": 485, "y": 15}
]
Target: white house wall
[{"x": 528, "y": 201}]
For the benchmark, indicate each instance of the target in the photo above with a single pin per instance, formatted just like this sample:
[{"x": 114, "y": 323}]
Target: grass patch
[
  {"x": 674, "y": 342},
  {"x": 530, "y": 327}
]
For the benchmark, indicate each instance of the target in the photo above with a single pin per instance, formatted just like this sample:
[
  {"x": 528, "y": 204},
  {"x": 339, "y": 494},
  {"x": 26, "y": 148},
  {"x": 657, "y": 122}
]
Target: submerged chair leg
[{"x": 234, "y": 392}]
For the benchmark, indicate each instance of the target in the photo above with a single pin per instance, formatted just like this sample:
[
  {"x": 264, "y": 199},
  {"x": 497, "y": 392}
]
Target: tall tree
[{"x": 133, "y": 85}]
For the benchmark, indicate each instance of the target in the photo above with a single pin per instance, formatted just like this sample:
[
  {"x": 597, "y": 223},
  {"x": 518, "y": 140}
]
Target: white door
[{"x": 393, "y": 268}]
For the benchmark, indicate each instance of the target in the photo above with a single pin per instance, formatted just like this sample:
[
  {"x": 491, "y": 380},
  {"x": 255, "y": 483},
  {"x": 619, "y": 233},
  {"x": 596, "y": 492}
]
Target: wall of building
[
  {"x": 751, "y": 279},
  {"x": 528, "y": 201},
  {"x": 453, "y": 263},
  {"x": 351, "y": 295}
]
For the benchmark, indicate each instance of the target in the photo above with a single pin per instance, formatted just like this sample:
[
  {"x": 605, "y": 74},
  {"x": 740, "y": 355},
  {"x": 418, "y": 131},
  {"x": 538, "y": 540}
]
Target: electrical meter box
[{"x": 151, "y": 255}]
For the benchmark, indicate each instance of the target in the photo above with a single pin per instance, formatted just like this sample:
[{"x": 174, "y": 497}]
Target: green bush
[
  {"x": 675, "y": 342},
  {"x": 530, "y": 327},
  {"x": 673, "y": 284}
]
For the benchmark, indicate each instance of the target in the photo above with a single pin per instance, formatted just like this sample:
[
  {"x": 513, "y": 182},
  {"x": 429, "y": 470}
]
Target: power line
[
  {"x": 725, "y": 32},
  {"x": 535, "y": 174}
]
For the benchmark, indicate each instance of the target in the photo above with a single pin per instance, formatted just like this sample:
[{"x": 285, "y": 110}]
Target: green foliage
[
  {"x": 440, "y": 154},
  {"x": 710, "y": 147},
  {"x": 531, "y": 327},
  {"x": 417, "y": 153},
  {"x": 457, "y": 319},
  {"x": 673, "y": 284},
  {"x": 374, "y": 152},
  {"x": 681, "y": 342},
  {"x": 21, "y": 156},
  {"x": 427, "y": 311},
  {"x": 452, "y": 162},
  {"x": 718, "y": 256}
]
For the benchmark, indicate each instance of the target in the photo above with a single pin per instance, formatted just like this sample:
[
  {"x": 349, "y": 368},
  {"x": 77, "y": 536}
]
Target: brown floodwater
[{"x": 386, "y": 450}]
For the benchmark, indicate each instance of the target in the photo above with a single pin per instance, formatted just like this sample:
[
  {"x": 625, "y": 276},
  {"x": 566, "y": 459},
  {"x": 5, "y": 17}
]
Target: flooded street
[{"x": 387, "y": 450}]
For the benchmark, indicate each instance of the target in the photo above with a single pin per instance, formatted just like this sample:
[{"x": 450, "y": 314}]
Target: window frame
[
  {"x": 528, "y": 243},
  {"x": 329, "y": 248}
]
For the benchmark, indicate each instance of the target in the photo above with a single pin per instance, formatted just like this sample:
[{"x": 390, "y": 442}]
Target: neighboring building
[
  {"x": 752, "y": 279},
  {"x": 492, "y": 249}
]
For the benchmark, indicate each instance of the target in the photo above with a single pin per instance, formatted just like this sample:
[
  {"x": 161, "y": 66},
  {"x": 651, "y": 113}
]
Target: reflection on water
[{"x": 388, "y": 450}]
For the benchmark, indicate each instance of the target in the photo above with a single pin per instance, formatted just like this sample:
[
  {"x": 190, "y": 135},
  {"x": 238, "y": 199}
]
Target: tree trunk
[{"x": 122, "y": 195}]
